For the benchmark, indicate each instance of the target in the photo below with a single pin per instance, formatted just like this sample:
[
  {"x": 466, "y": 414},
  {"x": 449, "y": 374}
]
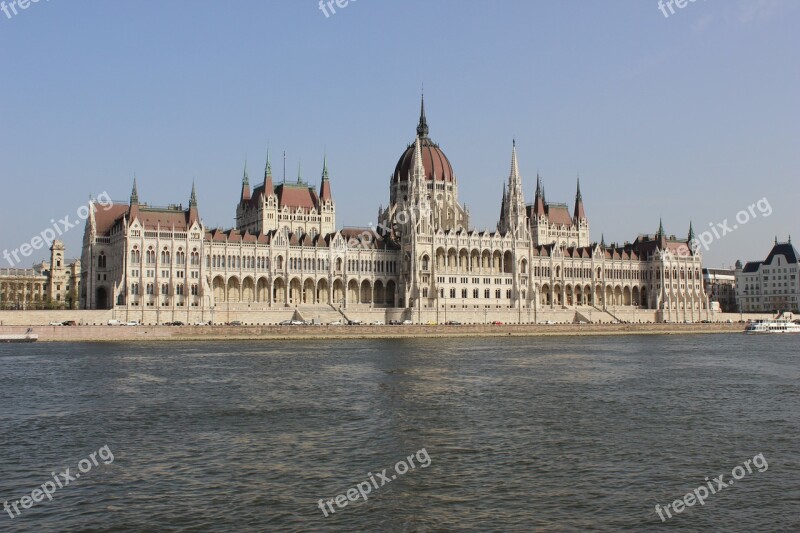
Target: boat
[
  {"x": 28, "y": 336},
  {"x": 777, "y": 325}
]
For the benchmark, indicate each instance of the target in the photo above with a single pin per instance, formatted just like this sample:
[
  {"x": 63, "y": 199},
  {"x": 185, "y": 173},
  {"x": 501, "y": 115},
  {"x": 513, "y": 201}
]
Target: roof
[
  {"x": 434, "y": 161},
  {"x": 785, "y": 249},
  {"x": 558, "y": 214},
  {"x": 105, "y": 216},
  {"x": 293, "y": 195}
]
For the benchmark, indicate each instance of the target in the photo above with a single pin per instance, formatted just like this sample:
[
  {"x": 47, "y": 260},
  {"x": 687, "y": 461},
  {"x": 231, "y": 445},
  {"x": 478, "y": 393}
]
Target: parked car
[
  {"x": 452, "y": 323},
  {"x": 113, "y": 322},
  {"x": 298, "y": 323},
  {"x": 377, "y": 323},
  {"x": 132, "y": 323},
  {"x": 354, "y": 323},
  {"x": 335, "y": 323},
  {"x": 201, "y": 324},
  {"x": 286, "y": 323},
  {"x": 235, "y": 323},
  {"x": 497, "y": 323},
  {"x": 69, "y": 323},
  {"x": 394, "y": 322},
  {"x": 407, "y": 322},
  {"x": 175, "y": 323},
  {"x": 56, "y": 324}
]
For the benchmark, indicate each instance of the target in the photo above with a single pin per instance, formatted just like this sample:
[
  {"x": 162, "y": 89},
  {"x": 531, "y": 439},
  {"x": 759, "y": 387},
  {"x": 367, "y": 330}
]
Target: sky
[{"x": 692, "y": 116}]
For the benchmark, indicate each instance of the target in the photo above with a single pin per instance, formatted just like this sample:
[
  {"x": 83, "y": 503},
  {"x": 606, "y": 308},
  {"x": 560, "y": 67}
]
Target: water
[{"x": 523, "y": 434}]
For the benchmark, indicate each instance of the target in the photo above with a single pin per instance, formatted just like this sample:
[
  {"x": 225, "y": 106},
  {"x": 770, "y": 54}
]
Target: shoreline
[{"x": 261, "y": 333}]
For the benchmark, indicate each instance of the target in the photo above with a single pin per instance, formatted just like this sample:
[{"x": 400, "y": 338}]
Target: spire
[
  {"x": 193, "y": 197},
  {"x": 691, "y": 232},
  {"x": 134, "y": 192},
  {"x": 580, "y": 213},
  {"x": 514, "y": 176},
  {"x": 602, "y": 240},
  {"x": 538, "y": 202},
  {"x": 133, "y": 210},
  {"x": 422, "y": 127},
  {"x": 299, "y": 179},
  {"x": 193, "y": 216},
  {"x": 325, "y": 188},
  {"x": 660, "y": 229},
  {"x": 268, "y": 187},
  {"x": 503, "y": 211},
  {"x": 245, "y": 184}
]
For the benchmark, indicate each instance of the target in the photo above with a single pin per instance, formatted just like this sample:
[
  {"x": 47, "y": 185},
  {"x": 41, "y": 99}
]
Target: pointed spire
[
  {"x": 299, "y": 179},
  {"x": 602, "y": 240},
  {"x": 193, "y": 197},
  {"x": 245, "y": 184},
  {"x": 268, "y": 187},
  {"x": 514, "y": 176},
  {"x": 134, "y": 192},
  {"x": 325, "y": 188},
  {"x": 580, "y": 213},
  {"x": 193, "y": 216},
  {"x": 538, "y": 201},
  {"x": 422, "y": 127},
  {"x": 661, "y": 236},
  {"x": 691, "y": 232}
]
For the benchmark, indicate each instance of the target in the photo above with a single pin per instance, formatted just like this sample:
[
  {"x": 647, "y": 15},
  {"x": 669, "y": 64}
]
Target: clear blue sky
[{"x": 694, "y": 116}]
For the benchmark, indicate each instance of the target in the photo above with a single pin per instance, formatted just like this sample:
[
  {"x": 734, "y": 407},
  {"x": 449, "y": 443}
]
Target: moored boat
[{"x": 778, "y": 325}]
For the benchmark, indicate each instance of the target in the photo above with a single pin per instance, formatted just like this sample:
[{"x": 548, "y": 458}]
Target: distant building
[
  {"x": 53, "y": 284},
  {"x": 770, "y": 285},
  {"x": 720, "y": 286}
]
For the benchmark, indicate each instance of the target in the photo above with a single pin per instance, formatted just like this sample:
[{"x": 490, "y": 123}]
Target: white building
[{"x": 771, "y": 285}]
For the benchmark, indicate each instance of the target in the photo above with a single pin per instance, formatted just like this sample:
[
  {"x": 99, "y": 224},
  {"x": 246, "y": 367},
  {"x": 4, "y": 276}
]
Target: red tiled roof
[
  {"x": 294, "y": 196},
  {"x": 559, "y": 215},
  {"x": 106, "y": 216}
]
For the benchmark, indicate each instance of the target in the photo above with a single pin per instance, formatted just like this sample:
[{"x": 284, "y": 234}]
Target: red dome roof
[
  {"x": 434, "y": 161},
  {"x": 436, "y": 164}
]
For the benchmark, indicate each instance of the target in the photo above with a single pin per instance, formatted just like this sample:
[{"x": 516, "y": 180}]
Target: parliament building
[{"x": 422, "y": 262}]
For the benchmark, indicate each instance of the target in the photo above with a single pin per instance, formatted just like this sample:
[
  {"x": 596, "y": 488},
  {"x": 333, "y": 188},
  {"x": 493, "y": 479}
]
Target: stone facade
[
  {"x": 49, "y": 284},
  {"x": 285, "y": 252},
  {"x": 771, "y": 285}
]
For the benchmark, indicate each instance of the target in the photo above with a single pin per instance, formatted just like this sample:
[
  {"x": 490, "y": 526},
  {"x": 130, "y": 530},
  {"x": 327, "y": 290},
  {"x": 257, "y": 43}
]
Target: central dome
[{"x": 437, "y": 166}]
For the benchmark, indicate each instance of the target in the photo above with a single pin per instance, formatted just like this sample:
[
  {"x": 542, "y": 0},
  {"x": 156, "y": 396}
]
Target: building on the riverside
[
  {"x": 771, "y": 285},
  {"x": 720, "y": 286},
  {"x": 286, "y": 251},
  {"x": 50, "y": 284}
]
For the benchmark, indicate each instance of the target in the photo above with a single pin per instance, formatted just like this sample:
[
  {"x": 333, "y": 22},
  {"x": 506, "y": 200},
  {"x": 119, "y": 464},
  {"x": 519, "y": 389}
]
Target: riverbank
[{"x": 206, "y": 333}]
